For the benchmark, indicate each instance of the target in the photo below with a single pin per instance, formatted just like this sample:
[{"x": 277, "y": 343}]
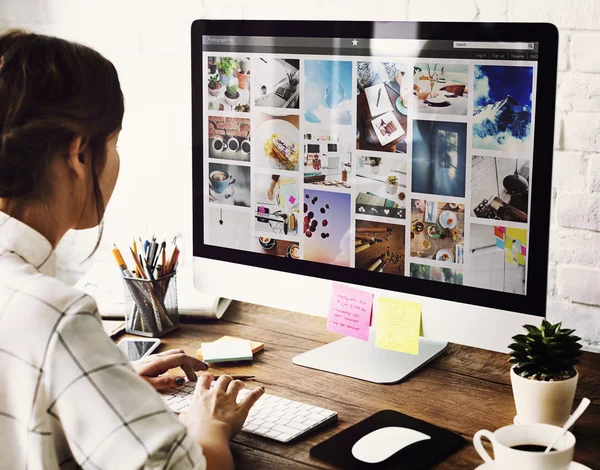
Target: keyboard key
[
  {"x": 262, "y": 431},
  {"x": 258, "y": 422},
  {"x": 302, "y": 413},
  {"x": 250, "y": 427},
  {"x": 295, "y": 425},
  {"x": 283, "y": 422},
  {"x": 310, "y": 422},
  {"x": 285, "y": 429},
  {"x": 272, "y": 434}
]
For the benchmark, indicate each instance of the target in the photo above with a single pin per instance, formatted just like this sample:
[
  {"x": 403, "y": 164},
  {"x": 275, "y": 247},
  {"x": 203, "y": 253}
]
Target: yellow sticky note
[
  {"x": 398, "y": 324},
  {"x": 509, "y": 243},
  {"x": 517, "y": 234},
  {"x": 520, "y": 259},
  {"x": 509, "y": 257}
]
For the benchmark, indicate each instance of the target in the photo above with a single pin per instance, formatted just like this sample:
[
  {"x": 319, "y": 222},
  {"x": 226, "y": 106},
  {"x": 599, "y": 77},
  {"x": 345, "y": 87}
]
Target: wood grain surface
[{"x": 464, "y": 390}]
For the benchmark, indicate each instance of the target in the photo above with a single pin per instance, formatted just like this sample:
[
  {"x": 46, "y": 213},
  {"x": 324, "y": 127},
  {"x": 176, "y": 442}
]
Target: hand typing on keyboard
[
  {"x": 273, "y": 417},
  {"x": 218, "y": 402}
]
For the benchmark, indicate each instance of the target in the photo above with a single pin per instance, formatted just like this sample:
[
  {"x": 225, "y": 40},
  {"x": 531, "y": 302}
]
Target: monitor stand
[{"x": 362, "y": 360}]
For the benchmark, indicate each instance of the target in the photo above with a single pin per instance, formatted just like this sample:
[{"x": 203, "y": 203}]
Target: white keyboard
[{"x": 274, "y": 417}]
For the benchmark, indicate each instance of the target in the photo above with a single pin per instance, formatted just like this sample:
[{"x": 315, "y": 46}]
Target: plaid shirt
[{"x": 68, "y": 397}]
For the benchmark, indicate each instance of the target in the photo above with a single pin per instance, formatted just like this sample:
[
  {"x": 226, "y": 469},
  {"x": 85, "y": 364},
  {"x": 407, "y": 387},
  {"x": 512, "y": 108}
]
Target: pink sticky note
[
  {"x": 350, "y": 312},
  {"x": 502, "y": 229},
  {"x": 292, "y": 199},
  {"x": 523, "y": 250}
]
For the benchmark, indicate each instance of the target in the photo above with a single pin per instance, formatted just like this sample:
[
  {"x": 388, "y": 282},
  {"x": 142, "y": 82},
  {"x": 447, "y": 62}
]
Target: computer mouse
[{"x": 382, "y": 443}]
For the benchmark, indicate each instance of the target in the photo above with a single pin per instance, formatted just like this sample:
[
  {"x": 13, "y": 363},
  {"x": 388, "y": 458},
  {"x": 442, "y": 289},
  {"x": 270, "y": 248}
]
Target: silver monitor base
[{"x": 362, "y": 360}]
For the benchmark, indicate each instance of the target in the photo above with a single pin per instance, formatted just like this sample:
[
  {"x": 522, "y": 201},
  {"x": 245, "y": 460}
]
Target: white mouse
[{"x": 382, "y": 443}]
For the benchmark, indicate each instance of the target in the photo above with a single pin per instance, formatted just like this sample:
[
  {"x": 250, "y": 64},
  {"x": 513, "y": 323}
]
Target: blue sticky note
[{"x": 500, "y": 243}]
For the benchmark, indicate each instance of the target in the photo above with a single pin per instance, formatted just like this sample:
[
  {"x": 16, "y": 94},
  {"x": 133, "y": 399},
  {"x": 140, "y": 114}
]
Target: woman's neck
[{"x": 38, "y": 216}]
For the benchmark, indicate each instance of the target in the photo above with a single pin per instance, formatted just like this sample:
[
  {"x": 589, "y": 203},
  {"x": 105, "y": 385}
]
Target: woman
[{"x": 68, "y": 397}]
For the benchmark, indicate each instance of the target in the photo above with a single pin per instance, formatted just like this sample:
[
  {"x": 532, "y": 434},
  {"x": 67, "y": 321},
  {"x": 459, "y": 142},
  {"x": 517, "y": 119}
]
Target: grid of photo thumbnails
[{"x": 415, "y": 167}]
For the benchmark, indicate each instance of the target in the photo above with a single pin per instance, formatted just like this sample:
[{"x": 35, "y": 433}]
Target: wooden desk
[{"x": 464, "y": 390}]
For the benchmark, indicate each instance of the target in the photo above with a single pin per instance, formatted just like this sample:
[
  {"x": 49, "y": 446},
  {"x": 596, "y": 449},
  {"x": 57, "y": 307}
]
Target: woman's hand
[
  {"x": 218, "y": 406},
  {"x": 151, "y": 368}
]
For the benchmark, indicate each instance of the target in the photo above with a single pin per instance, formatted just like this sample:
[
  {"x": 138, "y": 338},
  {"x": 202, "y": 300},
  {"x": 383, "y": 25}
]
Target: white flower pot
[
  {"x": 539, "y": 401},
  {"x": 391, "y": 188}
]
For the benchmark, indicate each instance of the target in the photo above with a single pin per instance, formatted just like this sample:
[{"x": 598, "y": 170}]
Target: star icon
[{"x": 354, "y": 42}]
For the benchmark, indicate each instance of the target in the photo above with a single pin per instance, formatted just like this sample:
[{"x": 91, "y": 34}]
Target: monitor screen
[{"x": 427, "y": 183}]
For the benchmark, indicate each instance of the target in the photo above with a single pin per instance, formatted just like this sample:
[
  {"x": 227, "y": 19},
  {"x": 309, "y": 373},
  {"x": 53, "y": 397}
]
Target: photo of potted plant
[
  {"x": 226, "y": 66},
  {"x": 212, "y": 64},
  {"x": 543, "y": 374},
  {"x": 232, "y": 95},
  {"x": 244, "y": 74},
  {"x": 214, "y": 85},
  {"x": 391, "y": 184}
]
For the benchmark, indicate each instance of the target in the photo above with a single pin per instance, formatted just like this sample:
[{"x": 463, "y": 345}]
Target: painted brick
[
  {"x": 584, "y": 319},
  {"x": 579, "y": 284},
  {"x": 574, "y": 246},
  {"x": 579, "y": 211},
  {"x": 584, "y": 50},
  {"x": 491, "y": 11},
  {"x": 579, "y": 92},
  {"x": 24, "y": 11},
  {"x": 567, "y": 14},
  {"x": 564, "y": 43},
  {"x": 459, "y": 10},
  {"x": 594, "y": 172},
  {"x": 581, "y": 131},
  {"x": 568, "y": 171}
]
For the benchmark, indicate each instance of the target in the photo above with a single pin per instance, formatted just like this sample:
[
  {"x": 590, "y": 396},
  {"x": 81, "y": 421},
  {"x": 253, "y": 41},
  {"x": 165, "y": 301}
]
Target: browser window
[{"x": 397, "y": 156}]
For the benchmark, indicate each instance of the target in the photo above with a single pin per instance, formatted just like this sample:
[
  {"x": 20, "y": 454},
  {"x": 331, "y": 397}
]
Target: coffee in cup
[
  {"x": 523, "y": 446},
  {"x": 218, "y": 144},
  {"x": 246, "y": 146},
  {"x": 220, "y": 181},
  {"x": 293, "y": 251}
]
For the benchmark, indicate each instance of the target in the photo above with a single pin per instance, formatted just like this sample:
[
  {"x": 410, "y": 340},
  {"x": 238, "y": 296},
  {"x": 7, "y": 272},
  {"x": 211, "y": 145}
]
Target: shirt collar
[{"x": 32, "y": 246}]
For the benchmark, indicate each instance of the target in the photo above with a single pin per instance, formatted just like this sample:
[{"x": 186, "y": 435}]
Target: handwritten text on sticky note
[
  {"x": 350, "y": 312},
  {"x": 398, "y": 325}
]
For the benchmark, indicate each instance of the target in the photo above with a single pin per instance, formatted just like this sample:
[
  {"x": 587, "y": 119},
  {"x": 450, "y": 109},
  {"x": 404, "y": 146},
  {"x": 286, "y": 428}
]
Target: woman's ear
[{"x": 76, "y": 158}]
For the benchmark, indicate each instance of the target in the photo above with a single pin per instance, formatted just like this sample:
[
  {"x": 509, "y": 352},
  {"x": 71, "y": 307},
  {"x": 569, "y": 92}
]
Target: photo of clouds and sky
[
  {"x": 502, "y": 108},
  {"x": 328, "y": 91},
  {"x": 326, "y": 227}
]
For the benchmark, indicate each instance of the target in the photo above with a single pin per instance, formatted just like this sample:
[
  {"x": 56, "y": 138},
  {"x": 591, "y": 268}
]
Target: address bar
[{"x": 521, "y": 46}]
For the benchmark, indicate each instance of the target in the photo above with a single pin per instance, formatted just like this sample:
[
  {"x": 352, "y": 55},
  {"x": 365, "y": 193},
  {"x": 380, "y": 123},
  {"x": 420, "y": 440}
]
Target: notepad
[
  {"x": 379, "y": 106},
  {"x": 398, "y": 325},
  {"x": 227, "y": 351},
  {"x": 255, "y": 345},
  {"x": 350, "y": 311}
]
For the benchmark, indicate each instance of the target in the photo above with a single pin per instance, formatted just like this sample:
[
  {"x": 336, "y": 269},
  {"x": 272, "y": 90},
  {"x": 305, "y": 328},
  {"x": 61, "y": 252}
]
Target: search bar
[{"x": 521, "y": 46}]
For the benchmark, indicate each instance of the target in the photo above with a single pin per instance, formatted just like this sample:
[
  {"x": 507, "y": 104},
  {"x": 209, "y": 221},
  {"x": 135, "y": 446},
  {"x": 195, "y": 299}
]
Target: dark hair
[{"x": 51, "y": 91}]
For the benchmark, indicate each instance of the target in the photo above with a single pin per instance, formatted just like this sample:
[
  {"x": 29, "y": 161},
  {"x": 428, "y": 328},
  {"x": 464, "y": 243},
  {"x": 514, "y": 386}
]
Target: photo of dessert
[{"x": 278, "y": 138}]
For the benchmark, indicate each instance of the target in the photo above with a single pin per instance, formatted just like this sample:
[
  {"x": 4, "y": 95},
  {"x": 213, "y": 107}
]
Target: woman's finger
[
  {"x": 204, "y": 382},
  {"x": 165, "y": 381},
  {"x": 235, "y": 386},
  {"x": 251, "y": 398},
  {"x": 223, "y": 382}
]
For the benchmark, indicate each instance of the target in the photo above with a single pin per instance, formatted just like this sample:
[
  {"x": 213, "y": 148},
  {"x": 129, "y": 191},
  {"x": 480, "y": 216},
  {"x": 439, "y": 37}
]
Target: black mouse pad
[{"x": 420, "y": 455}]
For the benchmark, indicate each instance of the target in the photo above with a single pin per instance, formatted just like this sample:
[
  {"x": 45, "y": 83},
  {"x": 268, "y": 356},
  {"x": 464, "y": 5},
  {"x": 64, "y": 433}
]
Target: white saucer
[
  {"x": 573, "y": 466},
  {"x": 226, "y": 197}
]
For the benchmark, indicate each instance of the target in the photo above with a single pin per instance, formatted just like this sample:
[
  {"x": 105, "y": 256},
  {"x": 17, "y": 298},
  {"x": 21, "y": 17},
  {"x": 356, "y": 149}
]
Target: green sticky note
[{"x": 398, "y": 325}]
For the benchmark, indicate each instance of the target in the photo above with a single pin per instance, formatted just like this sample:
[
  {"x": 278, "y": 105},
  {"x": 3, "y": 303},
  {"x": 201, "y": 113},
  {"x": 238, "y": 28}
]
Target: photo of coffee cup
[
  {"x": 233, "y": 144},
  {"x": 220, "y": 181},
  {"x": 218, "y": 144},
  {"x": 293, "y": 251},
  {"x": 522, "y": 446},
  {"x": 246, "y": 146},
  {"x": 267, "y": 243}
]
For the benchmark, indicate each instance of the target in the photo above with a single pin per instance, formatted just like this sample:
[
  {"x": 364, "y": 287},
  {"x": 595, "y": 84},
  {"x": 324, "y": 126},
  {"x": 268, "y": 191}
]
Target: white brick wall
[{"x": 149, "y": 43}]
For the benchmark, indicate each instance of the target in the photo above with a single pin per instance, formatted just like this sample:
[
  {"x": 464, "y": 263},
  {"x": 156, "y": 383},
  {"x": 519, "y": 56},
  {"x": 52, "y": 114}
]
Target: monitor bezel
[{"x": 545, "y": 34}]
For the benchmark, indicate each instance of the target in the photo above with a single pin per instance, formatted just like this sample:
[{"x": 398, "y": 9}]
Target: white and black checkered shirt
[{"x": 68, "y": 397}]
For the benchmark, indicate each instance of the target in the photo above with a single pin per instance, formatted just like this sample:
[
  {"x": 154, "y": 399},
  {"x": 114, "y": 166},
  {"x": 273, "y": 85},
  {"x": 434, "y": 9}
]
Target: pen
[
  {"x": 378, "y": 96},
  {"x": 237, "y": 377}
]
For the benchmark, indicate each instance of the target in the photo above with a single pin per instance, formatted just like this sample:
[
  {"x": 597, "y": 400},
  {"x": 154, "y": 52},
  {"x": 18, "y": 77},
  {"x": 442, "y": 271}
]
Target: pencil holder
[{"x": 151, "y": 306}]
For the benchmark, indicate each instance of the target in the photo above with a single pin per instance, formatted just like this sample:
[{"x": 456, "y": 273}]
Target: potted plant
[
  {"x": 243, "y": 74},
  {"x": 391, "y": 184},
  {"x": 214, "y": 85},
  {"x": 226, "y": 66},
  {"x": 212, "y": 64},
  {"x": 232, "y": 95},
  {"x": 543, "y": 374}
]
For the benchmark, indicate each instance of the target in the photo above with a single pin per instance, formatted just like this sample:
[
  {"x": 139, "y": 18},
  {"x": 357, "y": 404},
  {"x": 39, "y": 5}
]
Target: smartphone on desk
[{"x": 138, "y": 348}]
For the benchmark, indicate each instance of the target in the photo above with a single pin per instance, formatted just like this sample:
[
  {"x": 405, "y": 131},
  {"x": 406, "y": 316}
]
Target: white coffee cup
[{"x": 506, "y": 457}]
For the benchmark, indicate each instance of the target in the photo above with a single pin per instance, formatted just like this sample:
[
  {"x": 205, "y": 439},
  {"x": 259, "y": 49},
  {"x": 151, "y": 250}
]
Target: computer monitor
[{"x": 444, "y": 198}]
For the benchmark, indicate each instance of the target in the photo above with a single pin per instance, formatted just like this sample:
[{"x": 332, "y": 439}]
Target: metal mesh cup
[{"x": 151, "y": 306}]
